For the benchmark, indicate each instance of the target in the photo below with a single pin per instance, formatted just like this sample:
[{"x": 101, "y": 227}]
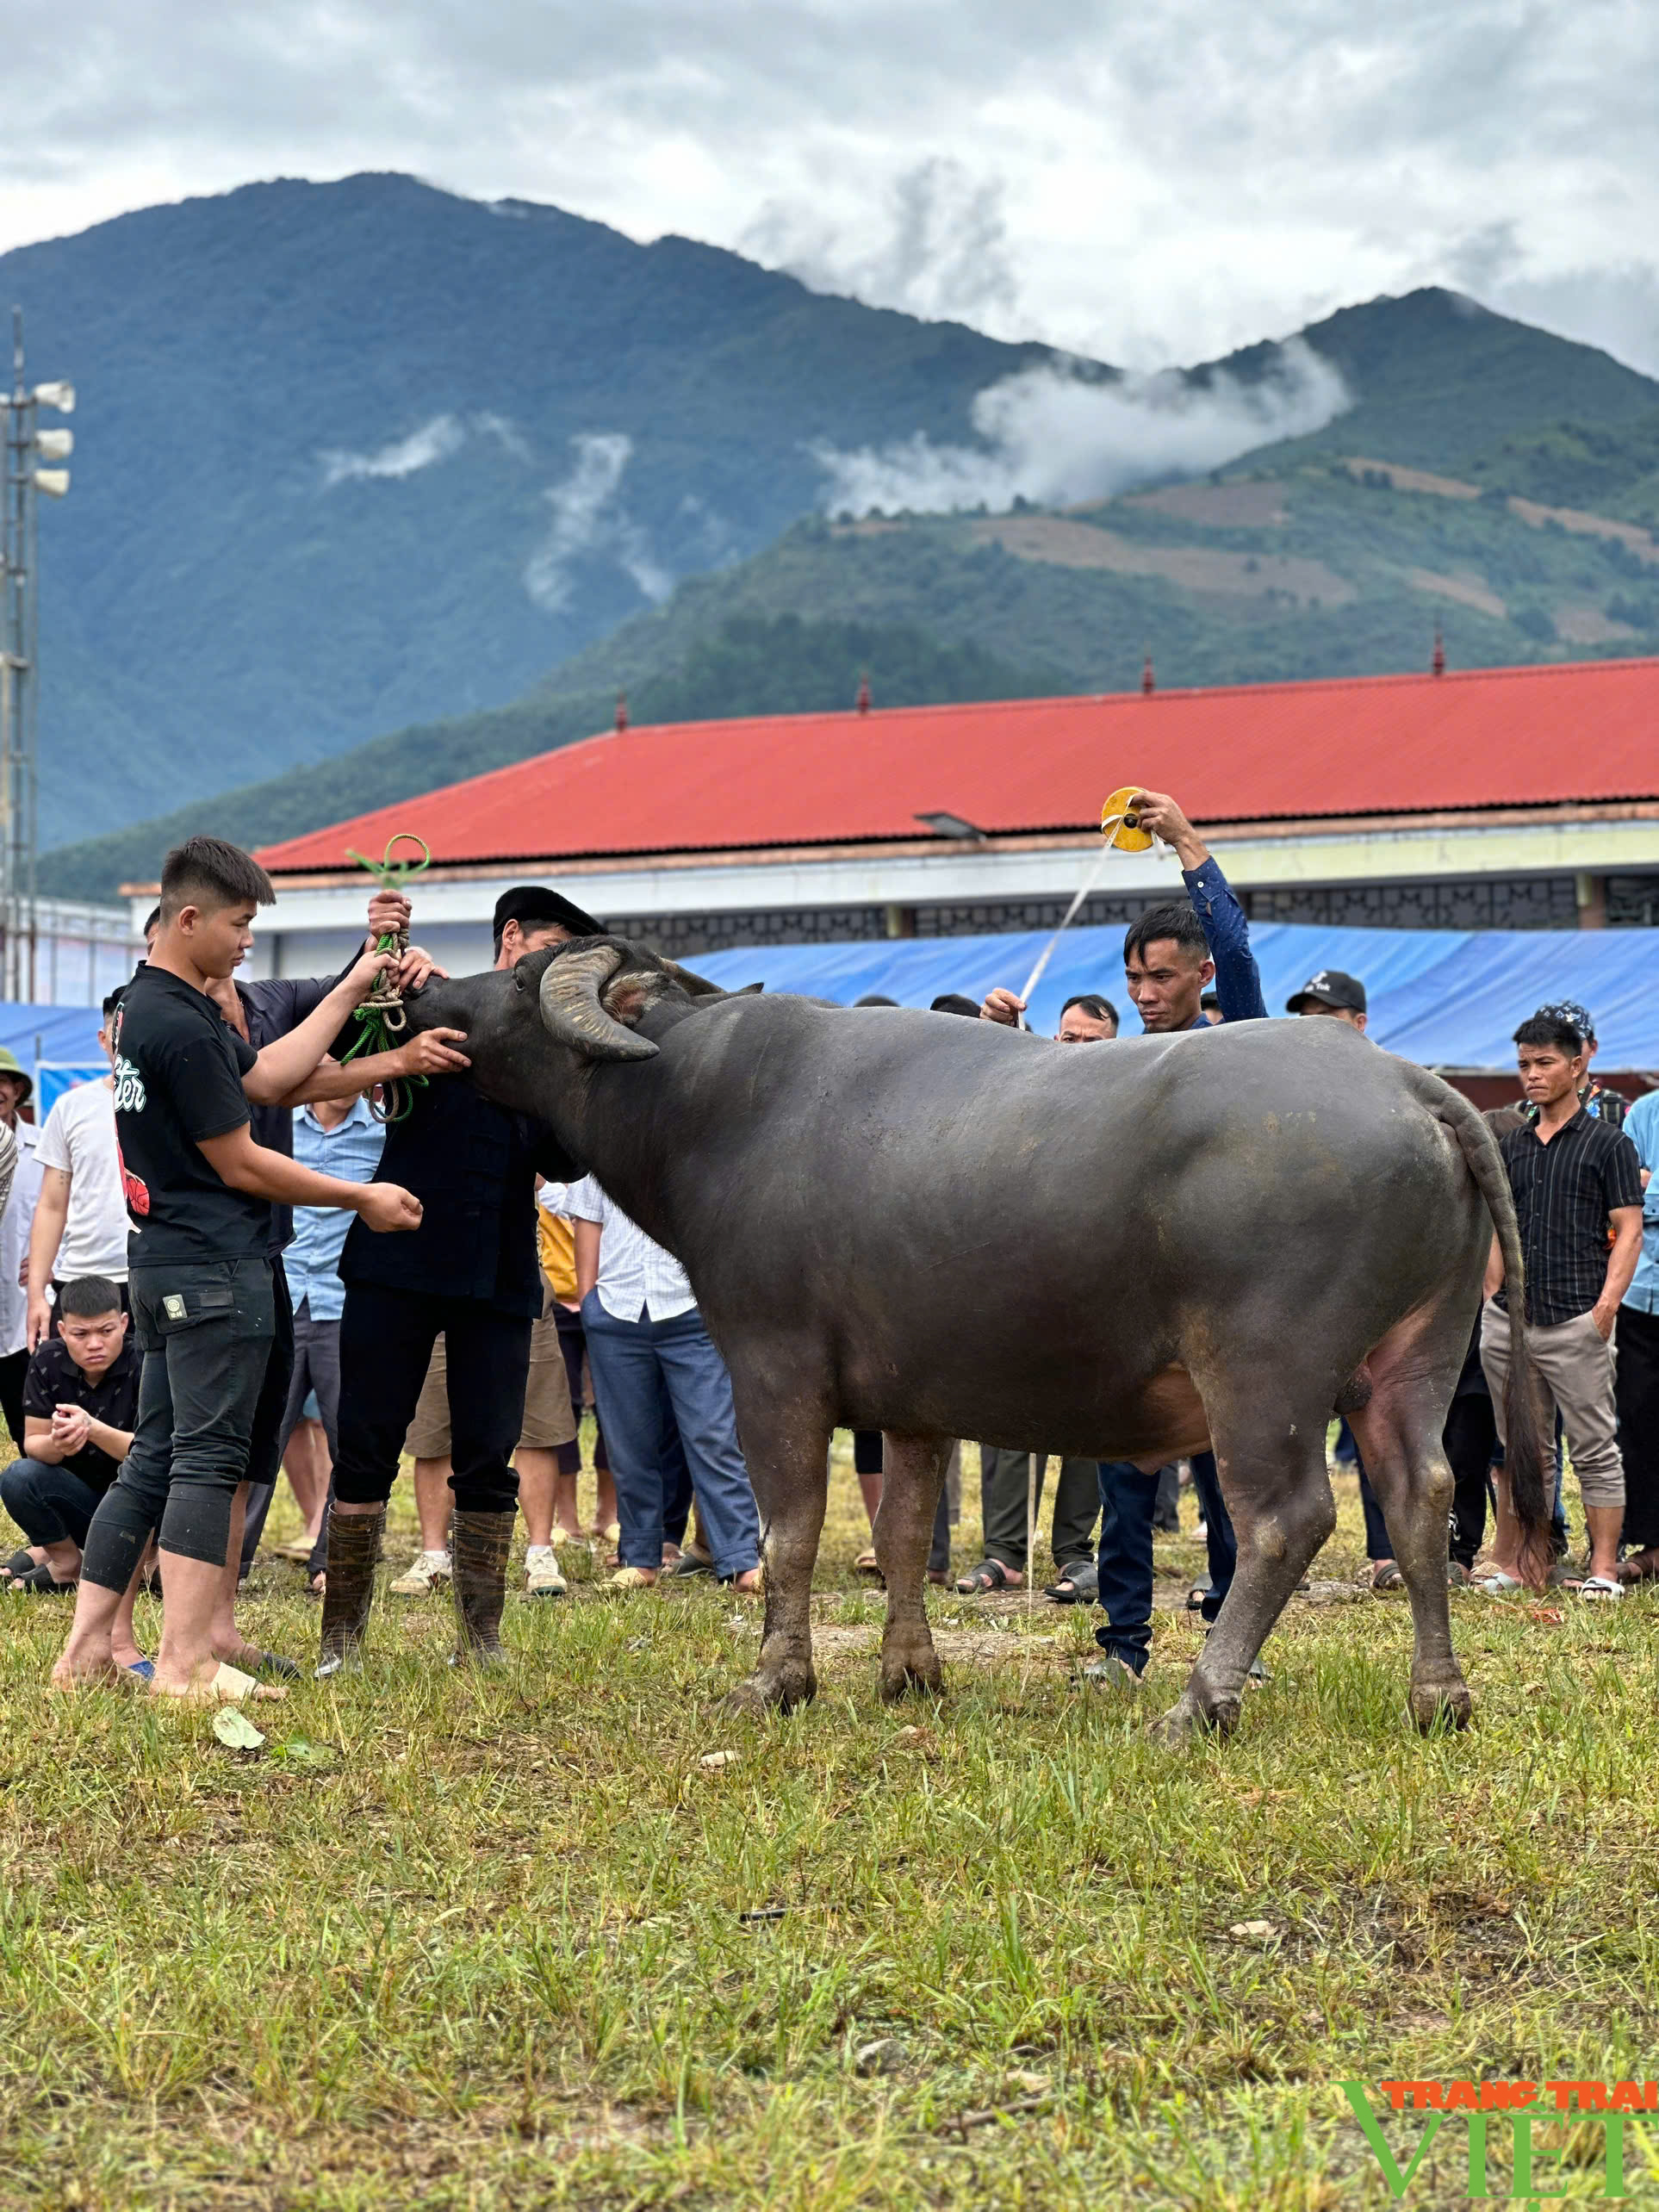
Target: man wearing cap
[
  {"x": 17, "y": 1088},
  {"x": 469, "y": 1273},
  {"x": 1332, "y": 992}
]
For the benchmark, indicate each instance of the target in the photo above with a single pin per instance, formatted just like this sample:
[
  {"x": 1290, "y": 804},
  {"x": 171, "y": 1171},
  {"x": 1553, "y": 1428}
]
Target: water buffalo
[{"x": 945, "y": 1228}]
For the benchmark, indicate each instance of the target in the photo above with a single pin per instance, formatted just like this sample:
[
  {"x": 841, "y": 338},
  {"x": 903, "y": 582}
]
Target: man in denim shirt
[
  {"x": 1636, "y": 1388},
  {"x": 1170, "y": 953}
]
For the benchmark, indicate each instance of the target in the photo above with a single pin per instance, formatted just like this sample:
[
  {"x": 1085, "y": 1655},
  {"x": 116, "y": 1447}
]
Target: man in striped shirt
[{"x": 1577, "y": 1185}]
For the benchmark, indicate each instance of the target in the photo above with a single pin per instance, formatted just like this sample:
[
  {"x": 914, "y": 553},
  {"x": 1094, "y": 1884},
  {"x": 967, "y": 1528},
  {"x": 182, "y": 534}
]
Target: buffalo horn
[{"x": 571, "y": 1011}]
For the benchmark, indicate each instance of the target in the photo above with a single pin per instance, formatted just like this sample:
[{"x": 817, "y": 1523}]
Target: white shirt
[
  {"x": 79, "y": 1137},
  {"x": 14, "y": 1226},
  {"x": 637, "y": 1277}
]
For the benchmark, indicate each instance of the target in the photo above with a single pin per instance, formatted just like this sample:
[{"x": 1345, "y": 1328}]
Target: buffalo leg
[
  {"x": 787, "y": 1451},
  {"x": 913, "y": 1474},
  {"x": 1399, "y": 1438},
  {"x": 1278, "y": 1497}
]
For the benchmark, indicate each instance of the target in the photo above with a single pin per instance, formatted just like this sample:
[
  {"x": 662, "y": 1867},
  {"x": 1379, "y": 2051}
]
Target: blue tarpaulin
[
  {"x": 58, "y": 1036},
  {"x": 1443, "y": 998}
]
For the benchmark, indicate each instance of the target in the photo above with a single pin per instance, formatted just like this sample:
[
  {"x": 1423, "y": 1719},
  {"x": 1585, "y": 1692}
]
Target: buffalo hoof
[
  {"x": 1441, "y": 1705},
  {"x": 766, "y": 1692},
  {"x": 924, "y": 1676},
  {"x": 1187, "y": 1718}
]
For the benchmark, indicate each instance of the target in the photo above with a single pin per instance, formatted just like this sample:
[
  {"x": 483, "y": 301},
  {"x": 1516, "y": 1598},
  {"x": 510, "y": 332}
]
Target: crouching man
[{"x": 80, "y": 1402}]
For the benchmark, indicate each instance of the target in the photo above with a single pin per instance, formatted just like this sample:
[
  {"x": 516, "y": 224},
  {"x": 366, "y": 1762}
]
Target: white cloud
[
  {"x": 434, "y": 441},
  {"x": 587, "y": 519},
  {"x": 1056, "y": 438}
]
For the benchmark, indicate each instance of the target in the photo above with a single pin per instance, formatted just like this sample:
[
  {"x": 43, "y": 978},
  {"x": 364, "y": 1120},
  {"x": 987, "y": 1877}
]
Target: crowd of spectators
[{"x": 472, "y": 1342}]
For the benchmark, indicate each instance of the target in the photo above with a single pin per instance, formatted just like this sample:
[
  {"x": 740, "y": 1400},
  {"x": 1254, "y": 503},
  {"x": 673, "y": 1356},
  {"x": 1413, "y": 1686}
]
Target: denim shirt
[
  {"x": 1642, "y": 1127},
  {"x": 1238, "y": 981},
  {"x": 351, "y": 1151}
]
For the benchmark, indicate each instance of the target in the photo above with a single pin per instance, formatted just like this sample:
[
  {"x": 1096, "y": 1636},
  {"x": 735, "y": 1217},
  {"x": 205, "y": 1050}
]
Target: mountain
[
  {"x": 1293, "y": 564},
  {"x": 361, "y": 456},
  {"x": 350, "y": 456}
]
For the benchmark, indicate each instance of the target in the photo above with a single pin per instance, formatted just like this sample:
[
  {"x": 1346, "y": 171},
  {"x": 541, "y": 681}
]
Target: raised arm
[
  {"x": 1227, "y": 932},
  {"x": 286, "y": 1063}
]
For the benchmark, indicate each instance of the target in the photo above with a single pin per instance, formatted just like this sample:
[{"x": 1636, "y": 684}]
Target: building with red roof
[{"x": 1510, "y": 797}]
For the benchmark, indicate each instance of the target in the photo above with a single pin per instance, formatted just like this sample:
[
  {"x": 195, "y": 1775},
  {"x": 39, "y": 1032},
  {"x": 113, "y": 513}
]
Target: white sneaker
[
  {"x": 541, "y": 1575},
  {"x": 427, "y": 1569}
]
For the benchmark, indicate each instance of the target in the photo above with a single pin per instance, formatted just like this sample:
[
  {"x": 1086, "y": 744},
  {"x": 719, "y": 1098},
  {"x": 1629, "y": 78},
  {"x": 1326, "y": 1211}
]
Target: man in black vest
[{"x": 470, "y": 1271}]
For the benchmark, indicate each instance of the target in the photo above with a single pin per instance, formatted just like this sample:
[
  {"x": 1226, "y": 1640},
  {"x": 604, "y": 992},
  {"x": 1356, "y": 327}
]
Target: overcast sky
[{"x": 1145, "y": 182}]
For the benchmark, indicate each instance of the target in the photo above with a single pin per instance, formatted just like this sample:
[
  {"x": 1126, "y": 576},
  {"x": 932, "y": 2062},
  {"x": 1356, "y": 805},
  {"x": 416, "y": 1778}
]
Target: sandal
[
  {"x": 1078, "y": 1586},
  {"x": 1641, "y": 1566},
  {"x": 867, "y": 1564},
  {"x": 626, "y": 1579},
  {"x": 41, "y": 1578},
  {"x": 1497, "y": 1584},
  {"x": 1386, "y": 1575},
  {"x": 1600, "y": 1589},
  {"x": 989, "y": 1575},
  {"x": 20, "y": 1563},
  {"x": 226, "y": 1685}
]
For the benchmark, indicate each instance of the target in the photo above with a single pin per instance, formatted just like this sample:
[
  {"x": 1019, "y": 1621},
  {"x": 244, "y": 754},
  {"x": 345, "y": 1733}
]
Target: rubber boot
[
  {"x": 353, "y": 1555},
  {"x": 478, "y": 1577}
]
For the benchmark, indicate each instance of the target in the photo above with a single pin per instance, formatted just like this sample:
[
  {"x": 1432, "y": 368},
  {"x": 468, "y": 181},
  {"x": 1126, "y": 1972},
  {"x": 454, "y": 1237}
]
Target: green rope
[{"x": 380, "y": 1017}]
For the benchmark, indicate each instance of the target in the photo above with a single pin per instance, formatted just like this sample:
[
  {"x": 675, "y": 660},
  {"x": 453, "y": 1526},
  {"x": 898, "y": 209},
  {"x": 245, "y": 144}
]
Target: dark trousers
[
  {"x": 13, "y": 1367},
  {"x": 573, "y": 1343},
  {"x": 386, "y": 1347},
  {"x": 1128, "y": 1500},
  {"x": 51, "y": 1505},
  {"x": 867, "y": 1459},
  {"x": 206, "y": 1328},
  {"x": 653, "y": 1376},
  {"x": 1004, "y": 1476},
  {"x": 1636, "y": 1394},
  {"x": 310, "y": 1360}
]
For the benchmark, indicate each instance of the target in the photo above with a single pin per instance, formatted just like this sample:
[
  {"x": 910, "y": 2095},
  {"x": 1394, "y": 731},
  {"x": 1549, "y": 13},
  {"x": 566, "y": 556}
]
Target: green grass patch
[{"x": 507, "y": 1942}]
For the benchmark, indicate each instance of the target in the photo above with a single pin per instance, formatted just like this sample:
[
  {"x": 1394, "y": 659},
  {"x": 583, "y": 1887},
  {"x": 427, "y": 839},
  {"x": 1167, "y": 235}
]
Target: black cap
[
  {"x": 1331, "y": 988},
  {"x": 533, "y": 905}
]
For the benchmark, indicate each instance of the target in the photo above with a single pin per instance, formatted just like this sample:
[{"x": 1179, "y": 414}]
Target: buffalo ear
[
  {"x": 631, "y": 995},
  {"x": 693, "y": 985},
  {"x": 748, "y": 991}
]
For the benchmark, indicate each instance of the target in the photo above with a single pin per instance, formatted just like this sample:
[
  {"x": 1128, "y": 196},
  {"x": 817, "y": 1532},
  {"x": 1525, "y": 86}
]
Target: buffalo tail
[{"x": 1527, "y": 1449}]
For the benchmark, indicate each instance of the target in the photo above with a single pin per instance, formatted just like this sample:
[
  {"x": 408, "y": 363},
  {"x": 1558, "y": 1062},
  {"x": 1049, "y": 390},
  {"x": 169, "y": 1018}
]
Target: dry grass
[{"x": 509, "y": 1942}]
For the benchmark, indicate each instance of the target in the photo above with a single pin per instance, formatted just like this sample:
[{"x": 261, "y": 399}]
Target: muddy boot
[
  {"x": 481, "y": 1545},
  {"x": 353, "y": 1555}
]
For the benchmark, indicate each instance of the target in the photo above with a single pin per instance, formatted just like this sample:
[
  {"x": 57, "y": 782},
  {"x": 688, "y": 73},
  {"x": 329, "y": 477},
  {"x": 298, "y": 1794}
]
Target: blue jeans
[
  {"x": 51, "y": 1505},
  {"x": 1128, "y": 1500},
  {"x": 653, "y": 1380}
]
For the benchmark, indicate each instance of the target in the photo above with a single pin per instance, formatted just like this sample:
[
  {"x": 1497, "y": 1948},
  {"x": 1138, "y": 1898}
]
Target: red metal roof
[{"x": 1587, "y": 731}]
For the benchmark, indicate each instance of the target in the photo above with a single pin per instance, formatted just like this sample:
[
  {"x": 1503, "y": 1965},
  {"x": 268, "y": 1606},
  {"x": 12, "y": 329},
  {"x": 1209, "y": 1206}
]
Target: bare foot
[
  {"x": 84, "y": 1669},
  {"x": 747, "y": 1585}
]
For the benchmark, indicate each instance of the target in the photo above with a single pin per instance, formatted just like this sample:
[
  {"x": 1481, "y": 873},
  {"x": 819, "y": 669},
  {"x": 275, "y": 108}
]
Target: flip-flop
[
  {"x": 1078, "y": 1585},
  {"x": 22, "y": 1562},
  {"x": 1497, "y": 1584},
  {"x": 867, "y": 1564},
  {"x": 1386, "y": 1575},
  {"x": 144, "y": 1669},
  {"x": 624, "y": 1580},
  {"x": 226, "y": 1685},
  {"x": 273, "y": 1663},
  {"x": 989, "y": 1575},
  {"x": 297, "y": 1548},
  {"x": 1630, "y": 1573}
]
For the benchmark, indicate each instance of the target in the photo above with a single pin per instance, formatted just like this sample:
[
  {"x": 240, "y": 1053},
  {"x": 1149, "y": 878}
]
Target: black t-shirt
[
  {"x": 54, "y": 1380},
  {"x": 178, "y": 1078}
]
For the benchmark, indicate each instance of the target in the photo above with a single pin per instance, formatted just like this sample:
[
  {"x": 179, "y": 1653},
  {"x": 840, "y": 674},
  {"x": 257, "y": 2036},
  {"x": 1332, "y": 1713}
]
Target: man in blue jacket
[{"x": 1173, "y": 954}]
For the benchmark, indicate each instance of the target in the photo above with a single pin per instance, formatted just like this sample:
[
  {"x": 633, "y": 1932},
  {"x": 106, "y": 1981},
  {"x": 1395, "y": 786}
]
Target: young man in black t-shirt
[
  {"x": 199, "y": 1193},
  {"x": 80, "y": 1401}
]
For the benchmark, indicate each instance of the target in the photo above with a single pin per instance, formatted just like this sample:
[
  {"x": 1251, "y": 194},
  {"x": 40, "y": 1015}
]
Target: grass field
[{"x": 514, "y": 1941}]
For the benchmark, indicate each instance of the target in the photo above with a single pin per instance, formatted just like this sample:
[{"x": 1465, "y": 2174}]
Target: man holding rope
[
  {"x": 470, "y": 1273},
  {"x": 1170, "y": 953}
]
